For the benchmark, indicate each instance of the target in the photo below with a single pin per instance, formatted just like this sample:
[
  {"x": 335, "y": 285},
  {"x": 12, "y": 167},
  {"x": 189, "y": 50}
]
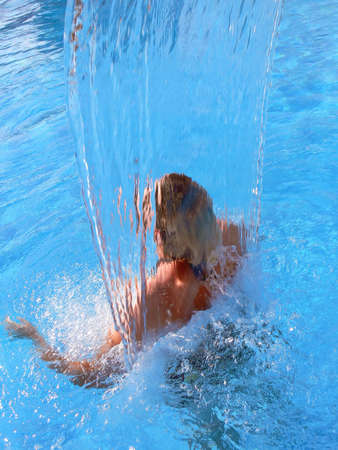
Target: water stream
[{"x": 158, "y": 87}]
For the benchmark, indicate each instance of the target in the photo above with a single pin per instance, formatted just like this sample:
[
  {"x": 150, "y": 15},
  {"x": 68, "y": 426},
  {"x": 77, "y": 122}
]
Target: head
[{"x": 186, "y": 226}]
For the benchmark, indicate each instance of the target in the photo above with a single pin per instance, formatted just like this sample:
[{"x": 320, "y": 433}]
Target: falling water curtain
[{"x": 160, "y": 86}]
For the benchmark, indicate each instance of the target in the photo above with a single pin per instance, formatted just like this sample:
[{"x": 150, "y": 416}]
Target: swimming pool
[{"x": 265, "y": 379}]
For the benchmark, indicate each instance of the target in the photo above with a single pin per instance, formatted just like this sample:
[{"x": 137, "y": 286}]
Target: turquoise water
[{"x": 262, "y": 372}]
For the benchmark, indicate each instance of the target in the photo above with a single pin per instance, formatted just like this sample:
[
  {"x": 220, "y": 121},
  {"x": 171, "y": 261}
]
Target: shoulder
[
  {"x": 233, "y": 234},
  {"x": 170, "y": 271}
]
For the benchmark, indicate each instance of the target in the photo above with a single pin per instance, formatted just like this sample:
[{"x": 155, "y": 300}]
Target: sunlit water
[{"x": 257, "y": 370}]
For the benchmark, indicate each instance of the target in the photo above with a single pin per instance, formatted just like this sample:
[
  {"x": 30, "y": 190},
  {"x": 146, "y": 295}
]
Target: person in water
[{"x": 197, "y": 253}]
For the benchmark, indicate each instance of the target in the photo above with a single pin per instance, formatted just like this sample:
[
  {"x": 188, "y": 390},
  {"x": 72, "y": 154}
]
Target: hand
[{"x": 22, "y": 329}]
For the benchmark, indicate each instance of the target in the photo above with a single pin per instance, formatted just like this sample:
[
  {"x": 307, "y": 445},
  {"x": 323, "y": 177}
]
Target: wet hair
[{"x": 185, "y": 219}]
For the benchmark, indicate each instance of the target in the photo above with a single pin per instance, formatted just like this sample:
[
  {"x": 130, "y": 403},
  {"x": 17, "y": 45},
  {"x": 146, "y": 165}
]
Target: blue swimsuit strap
[{"x": 199, "y": 271}]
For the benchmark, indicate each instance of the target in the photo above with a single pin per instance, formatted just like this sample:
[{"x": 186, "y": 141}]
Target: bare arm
[
  {"x": 84, "y": 371},
  {"x": 233, "y": 234},
  {"x": 234, "y": 242}
]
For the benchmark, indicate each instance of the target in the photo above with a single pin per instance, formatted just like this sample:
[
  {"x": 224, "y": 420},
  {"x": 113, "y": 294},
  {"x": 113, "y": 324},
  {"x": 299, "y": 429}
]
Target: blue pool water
[{"x": 262, "y": 372}]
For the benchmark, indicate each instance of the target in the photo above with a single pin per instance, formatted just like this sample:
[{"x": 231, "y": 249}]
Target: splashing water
[{"x": 158, "y": 87}]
